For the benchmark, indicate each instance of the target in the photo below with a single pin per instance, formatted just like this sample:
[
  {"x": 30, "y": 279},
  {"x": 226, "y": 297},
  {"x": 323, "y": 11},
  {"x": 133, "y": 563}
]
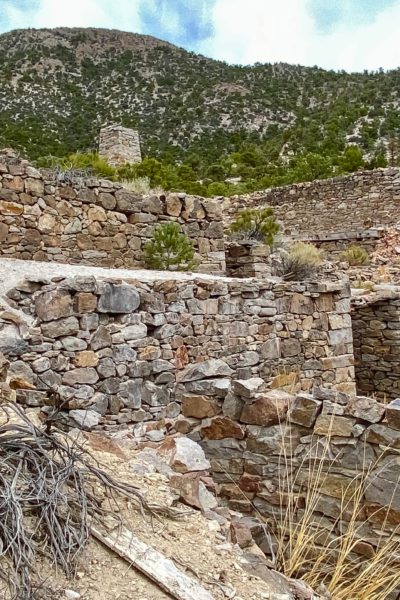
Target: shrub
[
  {"x": 355, "y": 255},
  {"x": 140, "y": 185},
  {"x": 256, "y": 224},
  {"x": 170, "y": 249},
  {"x": 302, "y": 261}
]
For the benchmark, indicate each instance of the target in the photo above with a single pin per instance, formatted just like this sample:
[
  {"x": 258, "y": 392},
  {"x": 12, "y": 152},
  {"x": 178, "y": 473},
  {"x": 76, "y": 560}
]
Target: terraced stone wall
[
  {"x": 96, "y": 222},
  {"x": 351, "y": 203}
]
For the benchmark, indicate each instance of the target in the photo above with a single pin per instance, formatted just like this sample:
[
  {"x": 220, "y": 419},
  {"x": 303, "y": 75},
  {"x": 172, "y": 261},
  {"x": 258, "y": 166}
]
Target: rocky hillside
[{"x": 57, "y": 86}]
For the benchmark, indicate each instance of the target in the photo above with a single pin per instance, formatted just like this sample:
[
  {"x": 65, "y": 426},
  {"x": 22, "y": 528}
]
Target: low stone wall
[
  {"x": 266, "y": 447},
  {"x": 376, "y": 333},
  {"x": 96, "y": 222},
  {"x": 122, "y": 348},
  {"x": 358, "y": 201}
]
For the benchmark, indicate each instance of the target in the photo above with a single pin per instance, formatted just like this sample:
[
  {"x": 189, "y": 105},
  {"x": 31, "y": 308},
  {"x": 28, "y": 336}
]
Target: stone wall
[
  {"x": 96, "y": 222},
  {"x": 247, "y": 259},
  {"x": 123, "y": 349},
  {"x": 352, "y": 202},
  {"x": 119, "y": 145},
  {"x": 270, "y": 449},
  {"x": 376, "y": 332}
]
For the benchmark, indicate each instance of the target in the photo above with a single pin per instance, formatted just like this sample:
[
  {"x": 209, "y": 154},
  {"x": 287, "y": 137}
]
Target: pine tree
[{"x": 170, "y": 249}]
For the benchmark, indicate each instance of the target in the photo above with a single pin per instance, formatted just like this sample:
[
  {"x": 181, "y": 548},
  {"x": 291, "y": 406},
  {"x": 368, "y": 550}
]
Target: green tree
[
  {"x": 170, "y": 249},
  {"x": 256, "y": 224}
]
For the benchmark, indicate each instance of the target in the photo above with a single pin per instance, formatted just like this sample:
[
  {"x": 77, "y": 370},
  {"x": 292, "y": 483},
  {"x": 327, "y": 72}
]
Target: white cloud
[
  {"x": 113, "y": 14},
  {"x": 247, "y": 31}
]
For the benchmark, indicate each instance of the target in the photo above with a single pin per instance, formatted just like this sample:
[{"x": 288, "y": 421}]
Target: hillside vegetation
[{"x": 201, "y": 121}]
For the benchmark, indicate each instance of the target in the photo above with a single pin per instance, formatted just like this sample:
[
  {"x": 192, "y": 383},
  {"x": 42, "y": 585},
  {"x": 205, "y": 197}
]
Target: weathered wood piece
[{"x": 152, "y": 563}]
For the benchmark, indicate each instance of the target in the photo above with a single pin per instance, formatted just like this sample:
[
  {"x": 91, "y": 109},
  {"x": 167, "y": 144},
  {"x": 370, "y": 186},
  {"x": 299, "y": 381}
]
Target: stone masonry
[
  {"x": 96, "y": 222},
  {"x": 356, "y": 202},
  {"x": 121, "y": 349},
  {"x": 266, "y": 448},
  {"x": 376, "y": 333},
  {"x": 119, "y": 145}
]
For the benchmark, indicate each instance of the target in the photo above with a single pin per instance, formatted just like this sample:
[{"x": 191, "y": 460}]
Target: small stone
[
  {"x": 331, "y": 425},
  {"x": 62, "y": 327},
  {"x": 101, "y": 338},
  {"x": 87, "y": 358},
  {"x": 304, "y": 410},
  {"x": 81, "y": 375},
  {"x": 184, "y": 455},
  {"x": 85, "y": 302}
]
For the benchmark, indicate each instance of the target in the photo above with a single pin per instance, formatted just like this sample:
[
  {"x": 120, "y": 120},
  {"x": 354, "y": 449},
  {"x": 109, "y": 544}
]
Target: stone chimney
[{"x": 119, "y": 145}]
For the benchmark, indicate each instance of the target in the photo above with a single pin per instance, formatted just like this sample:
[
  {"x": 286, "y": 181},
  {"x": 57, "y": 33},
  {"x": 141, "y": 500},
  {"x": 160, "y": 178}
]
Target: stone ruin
[
  {"x": 232, "y": 362},
  {"x": 119, "y": 145}
]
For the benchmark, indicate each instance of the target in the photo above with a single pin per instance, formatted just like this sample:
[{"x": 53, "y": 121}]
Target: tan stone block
[
  {"x": 10, "y": 208},
  {"x": 332, "y": 425},
  {"x": 84, "y": 302},
  {"x": 86, "y": 358}
]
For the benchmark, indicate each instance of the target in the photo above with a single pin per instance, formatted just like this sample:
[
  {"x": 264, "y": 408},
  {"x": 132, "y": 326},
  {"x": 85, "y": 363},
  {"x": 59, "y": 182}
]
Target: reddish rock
[
  {"x": 267, "y": 409},
  {"x": 221, "y": 427},
  {"x": 241, "y": 533},
  {"x": 181, "y": 357},
  {"x": 193, "y": 491},
  {"x": 249, "y": 483}
]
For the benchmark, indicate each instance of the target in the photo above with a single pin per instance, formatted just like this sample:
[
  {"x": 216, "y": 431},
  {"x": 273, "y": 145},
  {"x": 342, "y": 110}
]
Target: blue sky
[{"x": 338, "y": 34}]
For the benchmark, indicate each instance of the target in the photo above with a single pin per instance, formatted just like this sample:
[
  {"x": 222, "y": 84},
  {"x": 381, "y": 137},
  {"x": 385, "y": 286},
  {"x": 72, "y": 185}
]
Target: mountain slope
[{"x": 58, "y": 86}]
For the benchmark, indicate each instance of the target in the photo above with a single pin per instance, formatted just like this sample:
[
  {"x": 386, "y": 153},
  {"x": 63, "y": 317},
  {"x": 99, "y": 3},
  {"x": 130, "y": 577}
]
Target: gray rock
[
  {"x": 99, "y": 403},
  {"x": 19, "y": 369},
  {"x": 85, "y": 419},
  {"x": 118, "y": 299},
  {"x": 304, "y": 410},
  {"x": 54, "y": 304},
  {"x": 62, "y": 327},
  {"x": 367, "y": 409},
  {"x": 209, "y": 387},
  {"x": 106, "y": 368},
  {"x": 81, "y": 375},
  {"x": 135, "y": 332},
  {"x": 41, "y": 364},
  {"x": 124, "y": 354},
  {"x": 232, "y": 406},
  {"x": 393, "y": 414},
  {"x": 131, "y": 393},
  {"x": 213, "y": 367},
  {"x": 101, "y": 338},
  {"x": 247, "y": 387},
  {"x": 73, "y": 344}
]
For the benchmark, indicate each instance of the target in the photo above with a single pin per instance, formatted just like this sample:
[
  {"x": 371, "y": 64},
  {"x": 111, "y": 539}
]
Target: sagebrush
[
  {"x": 355, "y": 255},
  {"x": 301, "y": 261}
]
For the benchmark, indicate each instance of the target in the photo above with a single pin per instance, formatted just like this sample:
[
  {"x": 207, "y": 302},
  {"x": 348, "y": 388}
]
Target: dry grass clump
[
  {"x": 355, "y": 255},
  {"x": 322, "y": 551},
  {"x": 301, "y": 261}
]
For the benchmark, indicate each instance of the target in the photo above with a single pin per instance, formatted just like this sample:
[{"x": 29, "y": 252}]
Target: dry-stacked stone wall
[
  {"x": 376, "y": 333},
  {"x": 96, "y": 222},
  {"x": 121, "y": 349},
  {"x": 269, "y": 446},
  {"x": 351, "y": 203}
]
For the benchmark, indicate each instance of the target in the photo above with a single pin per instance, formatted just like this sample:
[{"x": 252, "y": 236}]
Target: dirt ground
[{"x": 197, "y": 546}]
